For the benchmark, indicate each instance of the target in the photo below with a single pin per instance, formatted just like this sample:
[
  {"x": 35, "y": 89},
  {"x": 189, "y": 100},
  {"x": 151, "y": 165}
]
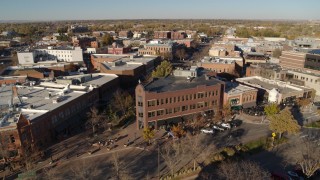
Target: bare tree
[
  {"x": 94, "y": 118},
  {"x": 181, "y": 53},
  {"x": 171, "y": 153},
  {"x": 84, "y": 170},
  {"x": 308, "y": 156},
  {"x": 123, "y": 102},
  {"x": 241, "y": 170},
  {"x": 49, "y": 173},
  {"x": 119, "y": 168},
  {"x": 196, "y": 150}
]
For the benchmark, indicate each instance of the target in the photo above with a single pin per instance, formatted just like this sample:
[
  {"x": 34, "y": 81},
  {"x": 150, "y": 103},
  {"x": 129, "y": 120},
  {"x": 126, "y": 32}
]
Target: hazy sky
[{"x": 158, "y": 9}]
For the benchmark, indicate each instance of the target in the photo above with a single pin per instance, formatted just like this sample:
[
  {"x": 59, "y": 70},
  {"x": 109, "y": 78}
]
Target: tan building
[
  {"x": 219, "y": 66},
  {"x": 292, "y": 60},
  {"x": 241, "y": 96},
  {"x": 275, "y": 91},
  {"x": 300, "y": 61},
  {"x": 223, "y": 50},
  {"x": 156, "y": 49}
]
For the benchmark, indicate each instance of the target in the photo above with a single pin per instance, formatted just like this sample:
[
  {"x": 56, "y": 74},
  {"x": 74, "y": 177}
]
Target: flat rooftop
[
  {"x": 122, "y": 66},
  {"x": 35, "y": 100},
  {"x": 235, "y": 88},
  {"x": 174, "y": 83},
  {"x": 38, "y": 100},
  {"x": 268, "y": 85}
]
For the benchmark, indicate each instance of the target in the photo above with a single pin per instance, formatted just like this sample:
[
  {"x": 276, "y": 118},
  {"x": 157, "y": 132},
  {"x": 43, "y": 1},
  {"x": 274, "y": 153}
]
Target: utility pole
[{"x": 158, "y": 159}]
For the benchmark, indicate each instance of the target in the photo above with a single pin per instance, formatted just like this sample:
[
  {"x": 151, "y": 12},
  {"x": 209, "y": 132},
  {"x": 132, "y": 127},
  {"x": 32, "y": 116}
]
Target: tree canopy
[
  {"x": 107, "y": 40},
  {"x": 284, "y": 122},
  {"x": 271, "y": 109},
  {"x": 148, "y": 134},
  {"x": 164, "y": 69}
]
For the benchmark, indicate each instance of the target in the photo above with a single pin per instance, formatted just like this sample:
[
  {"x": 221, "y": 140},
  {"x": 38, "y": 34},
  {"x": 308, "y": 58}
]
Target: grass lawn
[{"x": 314, "y": 124}]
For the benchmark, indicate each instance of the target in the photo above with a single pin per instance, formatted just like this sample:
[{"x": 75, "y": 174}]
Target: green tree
[
  {"x": 148, "y": 134},
  {"x": 283, "y": 122},
  {"x": 271, "y": 109},
  {"x": 163, "y": 69},
  {"x": 107, "y": 40}
]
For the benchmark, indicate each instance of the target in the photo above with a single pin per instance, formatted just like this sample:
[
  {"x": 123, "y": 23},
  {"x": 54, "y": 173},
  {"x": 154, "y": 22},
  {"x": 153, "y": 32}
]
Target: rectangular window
[
  {"x": 162, "y": 101},
  {"x": 184, "y": 108},
  {"x": 205, "y": 104},
  {"x": 200, "y": 94},
  {"x": 187, "y": 97},
  {"x": 194, "y": 96},
  {"x": 151, "y": 114},
  {"x": 174, "y": 99},
  {"x": 170, "y": 100},
  {"x": 158, "y": 102},
  {"x": 140, "y": 103},
  {"x": 140, "y": 114},
  {"x": 151, "y": 103},
  {"x": 182, "y": 98},
  {"x": 166, "y": 100},
  {"x": 216, "y": 92},
  {"x": 200, "y": 105},
  {"x": 178, "y": 98},
  {"x": 169, "y": 111},
  {"x": 160, "y": 112},
  {"x": 177, "y": 109}
]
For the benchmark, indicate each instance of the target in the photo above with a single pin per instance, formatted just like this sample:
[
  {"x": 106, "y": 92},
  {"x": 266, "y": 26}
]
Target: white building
[{"x": 60, "y": 54}]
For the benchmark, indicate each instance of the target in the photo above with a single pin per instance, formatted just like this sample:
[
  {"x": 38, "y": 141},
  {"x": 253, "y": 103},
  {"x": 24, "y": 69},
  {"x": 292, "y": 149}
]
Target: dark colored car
[
  {"x": 280, "y": 176},
  {"x": 235, "y": 123}
]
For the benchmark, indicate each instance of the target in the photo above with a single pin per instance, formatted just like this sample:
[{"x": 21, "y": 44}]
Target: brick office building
[
  {"x": 162, "y": 35},
  {"x": 184, "y": 93},
  {"x": 178, "y": 35}
]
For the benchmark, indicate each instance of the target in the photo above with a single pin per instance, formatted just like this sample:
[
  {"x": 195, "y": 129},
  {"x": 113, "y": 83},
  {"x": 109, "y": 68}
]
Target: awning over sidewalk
[{"x": 236, "y": 107}]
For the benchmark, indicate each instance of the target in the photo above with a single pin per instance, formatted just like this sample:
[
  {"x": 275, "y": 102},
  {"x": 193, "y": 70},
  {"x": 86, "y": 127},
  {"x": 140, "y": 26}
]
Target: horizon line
[{"x": 130, "y": 19}]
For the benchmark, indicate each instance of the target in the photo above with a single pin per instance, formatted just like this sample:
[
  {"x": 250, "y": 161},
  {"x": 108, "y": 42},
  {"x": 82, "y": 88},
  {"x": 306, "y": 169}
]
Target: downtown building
[
  {"x": 51, "y": 55},
  {"x": 39, "y": 115},
  {"x": 186, "y": 92}
]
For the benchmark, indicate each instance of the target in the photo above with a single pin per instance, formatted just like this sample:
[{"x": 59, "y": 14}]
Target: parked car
[
  {"x": 225, "y": 125},
  {"x": 235, "y": 123},
  {"x": 217, "y": 128},
  {"x": 207, "y": 131}
]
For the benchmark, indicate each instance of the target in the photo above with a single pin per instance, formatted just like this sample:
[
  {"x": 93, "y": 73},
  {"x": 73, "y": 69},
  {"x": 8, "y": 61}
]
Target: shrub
[
  {"x": 218, "y": 157},
  {"x": 229, "y": 151}
]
